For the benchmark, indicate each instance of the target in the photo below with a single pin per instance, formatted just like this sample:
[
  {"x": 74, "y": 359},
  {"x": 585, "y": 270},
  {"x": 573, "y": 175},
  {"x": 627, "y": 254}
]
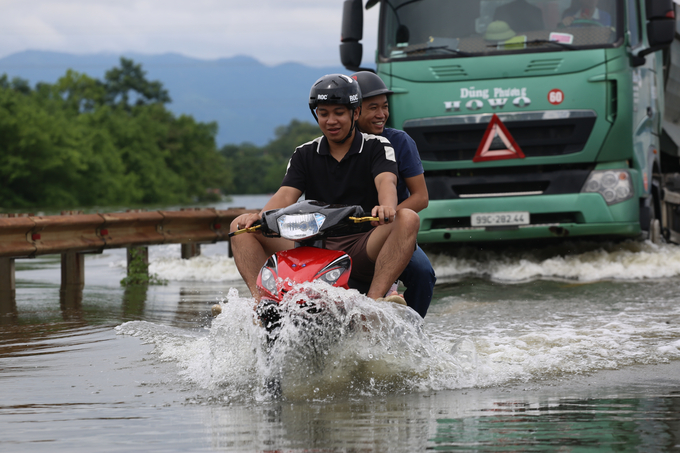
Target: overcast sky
[{"x": 272, "y": 31}]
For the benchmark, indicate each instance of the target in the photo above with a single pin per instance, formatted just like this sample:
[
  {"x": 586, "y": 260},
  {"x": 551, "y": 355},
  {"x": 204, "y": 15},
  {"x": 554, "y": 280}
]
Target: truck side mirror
[
  {"x": 351, "y": 49},
  {"x": 659, "y": 9},
  {"x": 660, "y": 28},
  {"x": 660, "y": 32},
  {"x": 661, "y": 22}
]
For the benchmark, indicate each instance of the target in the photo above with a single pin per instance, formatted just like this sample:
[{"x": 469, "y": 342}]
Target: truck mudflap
[{"x": 670, "y": 208}]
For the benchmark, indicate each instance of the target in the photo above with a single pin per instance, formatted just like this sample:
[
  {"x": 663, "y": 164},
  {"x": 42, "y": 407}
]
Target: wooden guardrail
[
  {"x": 30, "y": 236},
  {"x": 73, "y": 234}
]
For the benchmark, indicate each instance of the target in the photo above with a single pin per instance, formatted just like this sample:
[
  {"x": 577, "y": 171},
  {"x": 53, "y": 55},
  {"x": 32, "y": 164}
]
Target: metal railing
[
  {"x": 30, "y": 236},
  {"x": 72, "y": 235}
]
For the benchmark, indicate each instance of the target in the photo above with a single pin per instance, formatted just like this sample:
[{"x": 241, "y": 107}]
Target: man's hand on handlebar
[
  {"x": 386, "y": 214},
  {"x": 246, "y": 221}
]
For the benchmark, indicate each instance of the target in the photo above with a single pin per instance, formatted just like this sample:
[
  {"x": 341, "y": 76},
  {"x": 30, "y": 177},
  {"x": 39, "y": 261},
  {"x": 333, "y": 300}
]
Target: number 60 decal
[{"x": 555, "y": 96}]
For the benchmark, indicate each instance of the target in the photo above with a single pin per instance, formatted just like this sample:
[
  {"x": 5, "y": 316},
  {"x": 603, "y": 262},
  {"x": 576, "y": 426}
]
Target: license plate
[{"x": 492, "y": 219}]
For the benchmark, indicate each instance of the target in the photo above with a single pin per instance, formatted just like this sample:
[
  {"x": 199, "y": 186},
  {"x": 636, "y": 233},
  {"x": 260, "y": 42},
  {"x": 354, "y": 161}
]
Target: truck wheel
[
  {"x": 655, "y": 232},
  {"x": 649, "y": 220}
]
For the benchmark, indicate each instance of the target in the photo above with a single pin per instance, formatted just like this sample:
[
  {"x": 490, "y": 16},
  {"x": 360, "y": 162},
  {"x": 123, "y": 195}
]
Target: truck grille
[
  {"x": 513, "y": 181},
  {"x": 552, "y": 133}
]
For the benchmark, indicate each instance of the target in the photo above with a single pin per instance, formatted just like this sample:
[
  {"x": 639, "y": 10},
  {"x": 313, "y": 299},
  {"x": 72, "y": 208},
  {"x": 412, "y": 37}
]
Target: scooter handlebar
[
  {"x": 364, "y": 219},
  {"x": 256, "y": 226},
  {"x": 267, "y": 230}
]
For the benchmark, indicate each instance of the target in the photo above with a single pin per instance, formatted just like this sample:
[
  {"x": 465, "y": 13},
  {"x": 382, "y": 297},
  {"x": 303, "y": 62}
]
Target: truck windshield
[{"x": 416, "y": 29}]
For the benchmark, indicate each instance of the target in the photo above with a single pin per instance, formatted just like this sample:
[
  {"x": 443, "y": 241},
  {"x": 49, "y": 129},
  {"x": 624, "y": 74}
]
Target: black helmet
[
  {"x": 335, "y": 89},
  {"x": 370, "y": 84}
]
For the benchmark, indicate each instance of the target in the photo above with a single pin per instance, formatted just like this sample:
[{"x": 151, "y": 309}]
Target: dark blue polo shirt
[
  {"x": 351, "y": 181},
  {"x": 408, "y": 159}
]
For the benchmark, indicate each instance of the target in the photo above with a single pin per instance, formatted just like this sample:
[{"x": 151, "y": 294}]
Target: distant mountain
[{"x": 246, "y": 98}]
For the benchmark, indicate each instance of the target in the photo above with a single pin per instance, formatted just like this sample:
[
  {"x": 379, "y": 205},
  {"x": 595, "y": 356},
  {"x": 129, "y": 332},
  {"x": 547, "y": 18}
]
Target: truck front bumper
[{"x": 551, "y": 216}]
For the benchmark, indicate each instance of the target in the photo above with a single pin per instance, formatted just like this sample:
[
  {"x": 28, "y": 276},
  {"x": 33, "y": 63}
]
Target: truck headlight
[{"x": 615, "y": 186}]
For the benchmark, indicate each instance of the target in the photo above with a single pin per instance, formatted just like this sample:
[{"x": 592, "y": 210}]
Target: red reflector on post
[
  {"x": 35, "y": 236},
  {"x": 217, "y": 226},
  {"x": 104, "y": 232},
  {"x": 670, "y": 14}
]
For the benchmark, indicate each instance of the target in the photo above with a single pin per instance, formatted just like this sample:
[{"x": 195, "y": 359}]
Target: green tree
[
  {"x": 80, "y": 92},
  {"x": 192, "y": 154},
  {"x": 261, "y": 169},
  {"x": 291, "y": 136},
  {"x": 128, "y": 82},
  {"x": 84, "y": 142},
  {"x": 51, "y": 156}
]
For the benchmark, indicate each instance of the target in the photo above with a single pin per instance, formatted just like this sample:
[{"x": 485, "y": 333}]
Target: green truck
[{"x": 534, "y": 118}]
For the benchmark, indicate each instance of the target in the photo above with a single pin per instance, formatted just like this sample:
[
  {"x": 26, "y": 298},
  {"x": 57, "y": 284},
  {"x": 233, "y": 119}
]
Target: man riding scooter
[{"x": 343, "y": 166}]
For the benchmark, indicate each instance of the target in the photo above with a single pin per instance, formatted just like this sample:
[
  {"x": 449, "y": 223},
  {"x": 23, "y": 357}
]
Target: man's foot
[{"x": 395, "y": 298}]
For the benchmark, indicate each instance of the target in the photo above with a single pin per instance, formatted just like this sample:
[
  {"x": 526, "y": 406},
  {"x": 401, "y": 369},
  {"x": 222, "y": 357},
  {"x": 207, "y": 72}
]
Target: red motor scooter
[{"x": 308, "y": 223}]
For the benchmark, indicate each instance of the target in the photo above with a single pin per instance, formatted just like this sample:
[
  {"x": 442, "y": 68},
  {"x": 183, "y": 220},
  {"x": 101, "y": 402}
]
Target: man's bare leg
[
  {"x": 251, "y": 251},
  {"x": 392, "y": 246}
]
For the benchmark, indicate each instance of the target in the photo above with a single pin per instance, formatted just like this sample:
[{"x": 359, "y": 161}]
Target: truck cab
[{"x": 533, "y": 118}]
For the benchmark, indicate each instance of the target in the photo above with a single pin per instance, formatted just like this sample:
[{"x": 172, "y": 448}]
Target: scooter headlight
[
  {"x": 300, "y": 226},
  {"x": 332, "y": 276},
  {"x": 269, "y": 280},
  {"x": 615, "y": 186},
  {"x": 331, "y": 273}
]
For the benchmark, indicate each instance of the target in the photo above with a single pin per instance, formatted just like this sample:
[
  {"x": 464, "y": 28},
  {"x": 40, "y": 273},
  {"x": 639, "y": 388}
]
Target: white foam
[
  {"x": 630, "y": 260},
  {"x": 166, "y": 263},
  {"x": 200, "y": 269},
  {"x": 671, "y": 349},
  {"x": 586, "y": 262}
]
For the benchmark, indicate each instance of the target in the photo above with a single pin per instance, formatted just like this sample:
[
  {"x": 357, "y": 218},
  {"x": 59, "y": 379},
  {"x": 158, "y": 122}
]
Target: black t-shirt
[{"x": 351, "y": 181}]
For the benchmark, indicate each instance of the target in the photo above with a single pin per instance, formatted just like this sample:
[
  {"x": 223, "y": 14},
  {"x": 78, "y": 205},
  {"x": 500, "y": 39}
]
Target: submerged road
[{"x": 570, "y": 346}]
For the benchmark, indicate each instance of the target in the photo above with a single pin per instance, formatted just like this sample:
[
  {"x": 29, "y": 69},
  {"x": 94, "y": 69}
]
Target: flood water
[{"x": 565, "y": 347}]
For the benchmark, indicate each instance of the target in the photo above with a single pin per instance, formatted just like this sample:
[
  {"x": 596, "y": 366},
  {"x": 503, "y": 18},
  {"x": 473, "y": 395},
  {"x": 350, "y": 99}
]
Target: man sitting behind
[
  {"x": 342, "y": 166},
  {"x": 418, "y": 277}
]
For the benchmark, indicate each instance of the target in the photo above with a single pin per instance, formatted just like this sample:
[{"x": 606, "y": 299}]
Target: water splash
[
  {"x": 487, "y": 337},
  {"x": 356, "y": 346},
  {"x": 581, "y": 261},
  {"x": 359, "y": 347}
]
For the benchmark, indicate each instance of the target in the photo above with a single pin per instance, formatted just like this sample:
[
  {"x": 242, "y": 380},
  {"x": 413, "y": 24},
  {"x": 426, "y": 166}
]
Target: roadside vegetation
[
  {"x": 261, "y": 169},
  {"x": 85, "y": 142}
]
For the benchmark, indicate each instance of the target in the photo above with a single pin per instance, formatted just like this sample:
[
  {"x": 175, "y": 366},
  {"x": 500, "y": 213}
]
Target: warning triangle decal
[{"x": 497, "y": 143}]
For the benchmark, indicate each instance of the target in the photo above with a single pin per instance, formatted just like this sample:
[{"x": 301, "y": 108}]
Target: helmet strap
[{"x": 351, "y": 127}]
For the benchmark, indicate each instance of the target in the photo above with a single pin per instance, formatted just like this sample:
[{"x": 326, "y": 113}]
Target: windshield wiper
[
  {"x": 557, "y": 43},
  {"x": 446, "y": 48},
  {"x": 517, "y": 44}
]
